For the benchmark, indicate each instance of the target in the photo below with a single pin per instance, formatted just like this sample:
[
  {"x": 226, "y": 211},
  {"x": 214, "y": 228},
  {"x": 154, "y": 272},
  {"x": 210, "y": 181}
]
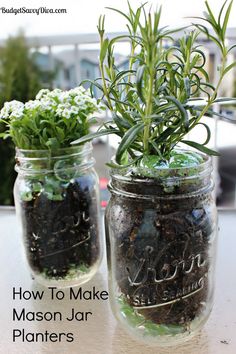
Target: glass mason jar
[
  {"x": 161, "y": 241},
  {"x": 57, "y": 201}
]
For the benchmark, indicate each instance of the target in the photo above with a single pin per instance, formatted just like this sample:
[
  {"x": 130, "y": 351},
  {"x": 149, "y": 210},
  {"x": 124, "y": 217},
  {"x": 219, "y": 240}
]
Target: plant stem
[
  {"x": 148, "y": 112},
  {"x": 131, "y": 62},
  {"x": 101, "y": 66},
  {"x": 105, "y": 90}
]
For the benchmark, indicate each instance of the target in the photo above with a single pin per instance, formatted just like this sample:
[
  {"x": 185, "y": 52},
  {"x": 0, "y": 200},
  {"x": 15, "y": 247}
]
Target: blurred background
[{"x": 61, "y": 49}]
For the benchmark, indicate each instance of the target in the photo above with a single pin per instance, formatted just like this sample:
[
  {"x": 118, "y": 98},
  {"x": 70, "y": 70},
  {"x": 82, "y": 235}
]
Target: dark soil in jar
[
  {"x": 162, "y": 255},
  {"x": 61, "y": 237}
]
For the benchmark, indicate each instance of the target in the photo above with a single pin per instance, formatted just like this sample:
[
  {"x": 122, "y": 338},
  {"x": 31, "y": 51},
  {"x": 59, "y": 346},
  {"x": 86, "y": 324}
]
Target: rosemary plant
[{"x": 155, "y": 103}]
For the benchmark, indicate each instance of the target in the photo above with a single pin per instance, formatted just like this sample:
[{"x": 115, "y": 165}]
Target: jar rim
[
  {"x": 167, "y": 176},
  {"x": 52, "y": 161},
  {"x": 25, "y": 154},
  {"x": 164, "y": 182},
  {"x": 207, "y": 160},
  {"x": 87, "y": 144}
]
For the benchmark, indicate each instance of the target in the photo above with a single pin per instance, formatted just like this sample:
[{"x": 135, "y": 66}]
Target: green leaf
[
  {"x": 93, "y": 120},
  {"x": 46, "y": 122},
  {"x": 127, "y": 140},
  {"x": 226, "y": 19},
  {"x": 181, "y": 108},
  {"x": 214, "y": 113},
  {"x": 60, "y": 133},
  {"x": 229, "y": 67},
  {"x": 131, "y": 12},
  {"x": 204, "y": 30},
  {"x": 122, "y": 75},
  {"x": 93, "y": 83},
  {"x": 232, "y": 47},
  {"x": 92, "y": 136},
  {"x": 26, "y": 196},
  {"x": 103, "y": 50},
  {"x": 121, "y": 122},
  {"x": 223, "y": 100},
  {"x": 117, "y": 166},
  {"x": 137, "y": 17},
  {"x": 37, "y": 187},
  {"x": 157, "y": 118},
  {"x": 210, "y": 112},
  {"x": 100, "y": 26},
  {"x": 201, "y": 56},
  {"x": 120, "y": 12},
  {"x": 211, "y": 15},
  {"x": 121, "y": 38},
  {"x": 208, "y": 132},
  {"x": 187, "y": 86},
  {"x": 200, "y": 147},
  {"x": 53, "y": 143},
  {"x": 139, "y": 81},
  {"x": 204, "y": 73},
  {"x": 175, "y": 30},
  {"x": 221, "y": 12},
  {"x": 162, "y": 138},
  {"x": 156, "y": 148}
]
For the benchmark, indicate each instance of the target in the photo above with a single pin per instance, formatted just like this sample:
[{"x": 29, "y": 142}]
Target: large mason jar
[
  {"x": 161, "y": 241},
  {"x": 57, "y": 201}
]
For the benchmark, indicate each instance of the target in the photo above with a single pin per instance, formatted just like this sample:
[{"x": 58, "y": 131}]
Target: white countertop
[{"x": 101, "y": 334}]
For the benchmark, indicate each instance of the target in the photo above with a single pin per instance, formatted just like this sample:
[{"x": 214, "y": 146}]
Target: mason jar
[
  {"x": 57, "y": 201},
  {"x": 161, "y": 230}
]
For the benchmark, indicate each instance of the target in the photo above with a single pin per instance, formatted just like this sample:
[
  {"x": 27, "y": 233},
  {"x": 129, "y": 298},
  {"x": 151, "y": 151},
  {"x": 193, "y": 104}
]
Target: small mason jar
[
  {"x": 57, "y": 201},
  {"x": 161, "y": 244}
]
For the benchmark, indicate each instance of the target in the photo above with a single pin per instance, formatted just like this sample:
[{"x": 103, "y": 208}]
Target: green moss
[
  {"x": 48, "y": 185},
  {"x": 178, "y": 159},
  {"x": 182, "y": 163},
  {"x": 72, "y": 273},
  {"x": 26, "y": 196},
  {"x": 137, "y": 320},
  {"x": 83, "y": 268}
]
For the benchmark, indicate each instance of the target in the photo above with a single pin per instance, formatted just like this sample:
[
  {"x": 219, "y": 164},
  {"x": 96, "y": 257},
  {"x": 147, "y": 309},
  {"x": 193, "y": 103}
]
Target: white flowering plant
[{"x": 51, "y": 121}]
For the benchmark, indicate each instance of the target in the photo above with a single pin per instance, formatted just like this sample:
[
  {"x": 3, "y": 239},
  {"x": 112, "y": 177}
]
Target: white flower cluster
[
  {"x": 64, "y": 104},
  {"x": 68, "y": 104},
  {"x": 12, "y": 109}
]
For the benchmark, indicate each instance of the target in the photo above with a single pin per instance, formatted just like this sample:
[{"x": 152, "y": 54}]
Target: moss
[
  {"x": 135, "y": 319},
  {"x": 178, "y": 159},
  {"x": 182, "y": 163},
  {"x": 73, "y": 272}
]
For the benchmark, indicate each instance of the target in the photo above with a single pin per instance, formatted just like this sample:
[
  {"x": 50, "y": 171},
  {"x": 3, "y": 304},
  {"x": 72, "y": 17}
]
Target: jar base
[
  {"x": 166, "y": 340},
  {"x": 67, "y": 283}
]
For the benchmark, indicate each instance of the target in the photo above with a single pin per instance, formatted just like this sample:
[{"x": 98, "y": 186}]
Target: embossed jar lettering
[
  {"x": 161, "y": 239},
  {"x": 167, "y": 274}
]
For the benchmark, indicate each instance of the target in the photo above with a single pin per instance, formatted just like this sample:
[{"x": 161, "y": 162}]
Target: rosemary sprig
[{"x": 153, "y": 102}]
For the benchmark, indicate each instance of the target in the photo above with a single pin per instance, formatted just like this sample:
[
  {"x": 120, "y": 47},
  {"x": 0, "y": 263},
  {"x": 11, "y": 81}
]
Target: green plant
[
  {"x": 155, "y": 103},
  {"x": 20, "y": 79},
  {"x": 51, "y": 121}
]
